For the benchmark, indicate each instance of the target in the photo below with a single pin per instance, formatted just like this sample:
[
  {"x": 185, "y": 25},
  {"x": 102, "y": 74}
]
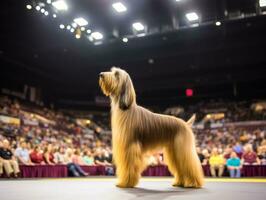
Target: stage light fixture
[
  {"x": 119, "y": 7},
  {"x": 89, "y": 31},
  {"x": 218, "y": 23},
  {"x": 62, "y": 26},
  {"x": 49, "y": 1},
  {"x": 77, "y": 36},
  {"x": 192, "y": 16},
  {"x": 42, "y": 10},
  {"x": 81, "y": 21},
  {"x": 46, "y": 13},
  {"x": 54, "y": 15},
  {"x": 97, "y": 35},
  {"x": 29, "y": 7},
  {"x": 38, "y": 8},
  {"x": 262, "y": 3},
  {"x": 125, "y": 40},
  {"x": 60, "y": 5},
  {"x": 82, "y": 28},
  {"x": 138, "y": 26},
  {"x": 72, "y": 30},
  {"x": 68, "y": 27}
]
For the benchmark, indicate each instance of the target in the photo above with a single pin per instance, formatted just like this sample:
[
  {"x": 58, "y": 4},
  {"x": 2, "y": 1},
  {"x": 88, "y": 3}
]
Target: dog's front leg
[{"x": 129, "y": 166}]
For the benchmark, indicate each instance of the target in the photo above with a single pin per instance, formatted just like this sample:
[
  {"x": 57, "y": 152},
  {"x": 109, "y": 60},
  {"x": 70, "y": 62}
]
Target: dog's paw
[
  {"x": 123, "y": 185},
  {"x": 177, "y": 184}
]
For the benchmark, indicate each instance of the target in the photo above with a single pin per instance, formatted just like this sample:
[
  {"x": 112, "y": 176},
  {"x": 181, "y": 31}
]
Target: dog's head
[{"x": 117, "y": 84}]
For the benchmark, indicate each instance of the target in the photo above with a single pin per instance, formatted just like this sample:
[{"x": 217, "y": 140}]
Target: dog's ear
[{"x": 127, "y": 95}]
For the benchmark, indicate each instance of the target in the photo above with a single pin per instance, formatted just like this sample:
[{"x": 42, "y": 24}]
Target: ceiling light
[
  {"x": 72, "y": 30},
  {"x": 29, "y": 7},
  {"x": 46, "y": 13},
  {"x": 218, "y": 23},
  {"x": 49, "y": 1},
  {"x": 77, "y": 36},
  {"x": 81, "y": 21},
  {"x": 192, "y": 16},
  {"x": 74, "y": 25},
  {"x": 119, "y": 7},
  {"x": 138, "y": 26},
  {"x": 262, "y": 3},
  {"x": 38, "y": 8},
  {"x": 89, "y": 31},
  {"x": 68, "y": 27},
  {"x": 42, "y": 10},
  {"x": 60, "y": 5},
  {"x": 82, "y": 28},
  {"x": 54, "y": 15},
  {"x": 97, "y": 35},
  {"x": 125, "y": 40},
  {"x": 62, "y": 26}
]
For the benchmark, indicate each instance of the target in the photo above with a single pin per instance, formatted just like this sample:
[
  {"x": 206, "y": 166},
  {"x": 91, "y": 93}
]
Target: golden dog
[{"x": 137, "y": 131}]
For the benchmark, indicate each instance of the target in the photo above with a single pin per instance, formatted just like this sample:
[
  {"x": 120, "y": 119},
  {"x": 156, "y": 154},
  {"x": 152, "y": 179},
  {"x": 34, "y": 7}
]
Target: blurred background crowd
[{"x": 229, "y": 135}]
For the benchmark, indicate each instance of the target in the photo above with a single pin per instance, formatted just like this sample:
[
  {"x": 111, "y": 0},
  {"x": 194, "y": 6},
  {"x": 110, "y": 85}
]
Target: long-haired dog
[{"x": 137, "y": 131}]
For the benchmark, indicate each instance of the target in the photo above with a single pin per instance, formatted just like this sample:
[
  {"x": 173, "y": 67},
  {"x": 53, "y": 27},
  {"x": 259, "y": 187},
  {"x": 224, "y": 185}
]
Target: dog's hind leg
[
  {"x": 129, "y": 166},
  {"x": 171, "y": 161},
  {"x": 190, "y": 173}
]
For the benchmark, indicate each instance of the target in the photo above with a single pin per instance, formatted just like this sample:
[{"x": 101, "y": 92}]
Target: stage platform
[{"x": 103, "y": 188}]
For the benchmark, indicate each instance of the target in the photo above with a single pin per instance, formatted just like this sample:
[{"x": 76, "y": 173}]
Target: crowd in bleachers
[{"x": 40, "y": 136}]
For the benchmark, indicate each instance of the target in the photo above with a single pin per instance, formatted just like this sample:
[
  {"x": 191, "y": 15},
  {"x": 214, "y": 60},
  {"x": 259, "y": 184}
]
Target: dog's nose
[{"x": 101, "y": 75}]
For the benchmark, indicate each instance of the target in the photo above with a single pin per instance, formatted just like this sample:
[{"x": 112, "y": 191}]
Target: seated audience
[
  {"x": 73, "y": 168},
  {"x": 200, "y": 155},
  {"x": 206, "y": 155},
  {"x": 262, "y": 154},
  {"x": 88, "y": 158},
  {"x": 250, "y": 157},
  {"x": 227, "y": 152},
  {"x": 22, "y": 153},
  {"x": 59, "y": 155},
  {"x": 234, "y": 165},
  {"x": 36, "y": 156},
  {"x": 216, "y": 162},
  {"x": 77, "y": 158},
  {"x": 8, "y": 160},
  {"x": 48, "y": 155}
]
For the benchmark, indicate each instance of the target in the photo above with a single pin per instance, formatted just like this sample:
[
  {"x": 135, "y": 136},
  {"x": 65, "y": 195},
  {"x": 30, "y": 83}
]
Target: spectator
[
  {"x": 206, "y": 155},
  {"x": 48, "y": 155},
  {"x": 73, "y": 168},
  {"x": 77, "y": 158},
  {"x": 227, "y": 152},
  {"x": 9, "y": 162},
  {"x": 59, "y": 156},
  {"x": 234, "y": 165},
  {"x": 88, "y": 158},
  {"x": 250, "y": 157},
  {"x": 22, "y": 153},
  {"x": 216, "y": 162},
  {"x": 262, "y": 154},
  {"x": 238, "y": 148},
  {"x": 200, "y": 155},
  {"x": 36, "y": 156}
]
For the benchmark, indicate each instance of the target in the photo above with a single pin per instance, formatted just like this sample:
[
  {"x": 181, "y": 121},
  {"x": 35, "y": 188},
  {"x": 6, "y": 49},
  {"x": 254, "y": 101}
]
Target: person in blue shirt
[{"x": 234, "y": 165}]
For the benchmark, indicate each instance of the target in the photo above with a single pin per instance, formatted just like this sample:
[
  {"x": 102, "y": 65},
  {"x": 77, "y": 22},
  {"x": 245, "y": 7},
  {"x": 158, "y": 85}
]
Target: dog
[{"x": 137, "y": 131}]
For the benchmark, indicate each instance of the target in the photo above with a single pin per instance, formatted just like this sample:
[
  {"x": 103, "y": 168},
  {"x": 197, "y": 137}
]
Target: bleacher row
[{"x": 60, "y": 171}]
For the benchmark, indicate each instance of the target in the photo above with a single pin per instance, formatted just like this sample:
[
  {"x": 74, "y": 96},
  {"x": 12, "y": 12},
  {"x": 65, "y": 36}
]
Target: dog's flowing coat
[{"x": 137, "y": 131}]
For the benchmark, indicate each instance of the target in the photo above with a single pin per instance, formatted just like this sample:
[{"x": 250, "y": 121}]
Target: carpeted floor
[{"x": 149, "y": 188}]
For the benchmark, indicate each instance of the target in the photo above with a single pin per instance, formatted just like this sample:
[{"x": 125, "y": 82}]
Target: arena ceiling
[{"x": 220, "y": 54}]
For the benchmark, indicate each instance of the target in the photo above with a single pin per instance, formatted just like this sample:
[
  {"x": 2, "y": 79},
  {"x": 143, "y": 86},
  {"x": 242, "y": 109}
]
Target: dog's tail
[{"x": 191, "y": 120}]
